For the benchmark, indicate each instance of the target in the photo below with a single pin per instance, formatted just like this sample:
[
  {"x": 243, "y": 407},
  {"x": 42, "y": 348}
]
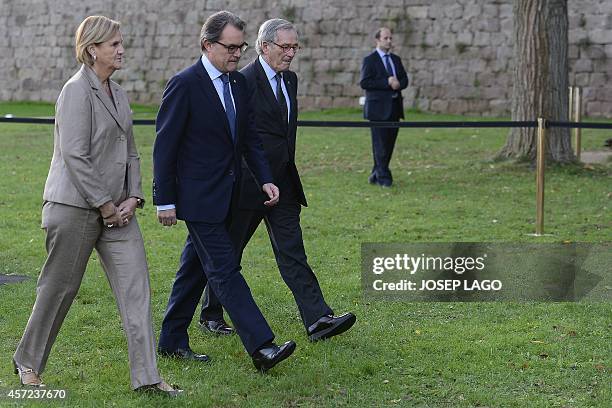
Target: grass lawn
[{"x": 399, "y": 353}]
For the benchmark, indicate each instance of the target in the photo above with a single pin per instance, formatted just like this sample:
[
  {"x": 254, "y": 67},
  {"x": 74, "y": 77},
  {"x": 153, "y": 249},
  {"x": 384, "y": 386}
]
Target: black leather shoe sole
[
  {"x": 344, "y": 323},
  {"x": 286, "y": 350}
]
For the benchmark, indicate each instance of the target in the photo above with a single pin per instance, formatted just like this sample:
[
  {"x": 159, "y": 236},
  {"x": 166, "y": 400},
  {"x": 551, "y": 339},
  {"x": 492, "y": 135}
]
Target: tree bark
[{"x": 541, "y": 78}]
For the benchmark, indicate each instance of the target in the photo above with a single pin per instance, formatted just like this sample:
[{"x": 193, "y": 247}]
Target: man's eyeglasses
[
  {"x": 286, "y": 48},
  {"x": 231, "y": 49}
]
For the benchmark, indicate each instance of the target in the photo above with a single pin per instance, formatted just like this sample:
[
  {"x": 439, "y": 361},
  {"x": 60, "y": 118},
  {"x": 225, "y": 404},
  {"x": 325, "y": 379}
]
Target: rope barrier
[{"x": 364, "y": 124}]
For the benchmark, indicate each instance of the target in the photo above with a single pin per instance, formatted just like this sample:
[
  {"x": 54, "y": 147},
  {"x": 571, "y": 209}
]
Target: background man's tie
[{"x": 388, "y": 65}]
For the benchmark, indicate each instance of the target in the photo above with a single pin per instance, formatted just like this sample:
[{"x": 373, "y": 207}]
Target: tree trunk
[{"x": 541, "y": 78}]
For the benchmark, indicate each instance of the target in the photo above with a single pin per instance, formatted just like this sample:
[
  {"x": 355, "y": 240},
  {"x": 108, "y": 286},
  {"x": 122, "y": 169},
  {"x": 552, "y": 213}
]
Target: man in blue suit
[
  {"x": 383, "y": 77},
  {"x": 204, "y": 126}
]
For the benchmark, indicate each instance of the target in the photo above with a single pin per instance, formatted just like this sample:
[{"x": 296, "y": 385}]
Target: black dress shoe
[
  {"x": 162, "y": 388},
  {"x": 329, "y": 326},
  {"x": 270, "y": 355},
  {"x": 219, "y": 327},
  {"x": 184, "y": 354},
  {"x": 372, "y": 179}
]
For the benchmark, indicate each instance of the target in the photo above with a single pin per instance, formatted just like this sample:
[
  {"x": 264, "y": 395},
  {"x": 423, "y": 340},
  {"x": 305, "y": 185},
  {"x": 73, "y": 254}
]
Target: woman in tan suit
[{"x": 90, "y": 197}]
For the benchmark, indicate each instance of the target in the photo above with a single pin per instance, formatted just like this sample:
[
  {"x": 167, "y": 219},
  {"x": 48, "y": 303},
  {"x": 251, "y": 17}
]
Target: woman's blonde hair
[{"x": 93, "y": 30}]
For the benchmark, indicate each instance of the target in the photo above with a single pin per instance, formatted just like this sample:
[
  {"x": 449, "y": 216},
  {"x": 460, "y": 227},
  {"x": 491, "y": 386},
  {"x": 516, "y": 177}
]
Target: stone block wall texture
[{"x": 458, "y": 53}]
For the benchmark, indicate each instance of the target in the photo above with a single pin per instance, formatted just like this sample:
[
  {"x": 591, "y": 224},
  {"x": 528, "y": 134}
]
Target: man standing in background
[{"x": 383, "y": 77}]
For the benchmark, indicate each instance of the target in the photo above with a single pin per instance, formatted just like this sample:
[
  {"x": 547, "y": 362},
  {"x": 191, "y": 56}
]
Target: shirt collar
[
  {"x": 270, "y": 73},
  {"x": 382, "y": 53},
  {"x": 212, "y": 71}
]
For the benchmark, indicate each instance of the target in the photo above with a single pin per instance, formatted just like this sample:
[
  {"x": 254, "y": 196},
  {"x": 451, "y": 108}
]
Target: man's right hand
[{"x": 167, "y": 217}]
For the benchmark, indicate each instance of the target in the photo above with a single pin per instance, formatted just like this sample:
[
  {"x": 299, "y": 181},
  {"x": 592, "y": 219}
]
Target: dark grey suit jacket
[{"x": 278, "y": 136}]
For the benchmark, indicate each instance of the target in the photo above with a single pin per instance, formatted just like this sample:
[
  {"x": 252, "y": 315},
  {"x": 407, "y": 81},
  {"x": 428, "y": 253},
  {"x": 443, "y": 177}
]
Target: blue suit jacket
[
  {"x": 195, "y": 161},
  {"x": 375, "y": 81}
]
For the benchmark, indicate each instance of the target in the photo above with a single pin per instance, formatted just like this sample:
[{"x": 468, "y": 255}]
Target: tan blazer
[{"x": 94, "y": 154}]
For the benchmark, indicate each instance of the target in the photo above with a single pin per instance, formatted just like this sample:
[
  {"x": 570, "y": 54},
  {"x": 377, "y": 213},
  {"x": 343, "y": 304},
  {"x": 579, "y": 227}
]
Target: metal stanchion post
[
  {"x": 577, "y": 118},
  {"x": 541, "y": 158},
  {"x": 570, "y": 111}
]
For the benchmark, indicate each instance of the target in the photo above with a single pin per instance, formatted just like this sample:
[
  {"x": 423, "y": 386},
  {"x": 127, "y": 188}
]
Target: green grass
[{"x": 398, "y": 354}]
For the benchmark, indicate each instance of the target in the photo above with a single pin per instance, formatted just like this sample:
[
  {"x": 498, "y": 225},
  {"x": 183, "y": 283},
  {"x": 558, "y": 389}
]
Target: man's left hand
[
  {"x": 127, "y": 209},
  {"x": 272, "y": 191},
  {"x": 394, "y": 83}
]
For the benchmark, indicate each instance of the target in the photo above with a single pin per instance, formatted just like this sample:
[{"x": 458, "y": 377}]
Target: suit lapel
[
  {"x": 96, "y": 86},
  {"x": 397, "y": 61},
  {"x": 292, "y": 91},
  {"x": 380, "y": 64},
  {"x": 123, "y": 107},
  {"x": 264, "y": 86},
  {"x": 211, "y": 93}
]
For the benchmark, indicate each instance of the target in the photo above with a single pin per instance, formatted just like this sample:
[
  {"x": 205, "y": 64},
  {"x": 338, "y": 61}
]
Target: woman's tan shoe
[
  {"x": 161, "y": 388},
  {"x": 27, "y": 376}
]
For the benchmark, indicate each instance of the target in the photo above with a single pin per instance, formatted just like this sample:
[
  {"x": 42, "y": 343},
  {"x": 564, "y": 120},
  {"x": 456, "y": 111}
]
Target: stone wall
[{"x": 458, "y": 53}]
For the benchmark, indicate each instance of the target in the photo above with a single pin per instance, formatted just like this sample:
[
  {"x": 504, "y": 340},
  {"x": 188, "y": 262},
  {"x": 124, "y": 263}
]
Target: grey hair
[
  {"x": 267, "y": 31},
  {"x": 216, "y": 23}
]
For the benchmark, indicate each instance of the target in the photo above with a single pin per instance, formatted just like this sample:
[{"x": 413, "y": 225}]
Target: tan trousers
[{"x": 72, "y": 234}]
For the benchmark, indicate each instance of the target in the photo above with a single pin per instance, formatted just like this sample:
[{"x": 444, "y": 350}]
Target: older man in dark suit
[
  {"x": 383, "y": 77},
  {"x": 204, "y": 127},
  {"x": 273, "y": 90}
]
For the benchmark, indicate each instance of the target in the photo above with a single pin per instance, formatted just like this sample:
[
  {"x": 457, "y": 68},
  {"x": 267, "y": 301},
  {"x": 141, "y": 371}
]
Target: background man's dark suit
[
  {"x": 196, "y": 166},
  {"x": 382, "y": 103},
  {"x": 282, "y": 220}
]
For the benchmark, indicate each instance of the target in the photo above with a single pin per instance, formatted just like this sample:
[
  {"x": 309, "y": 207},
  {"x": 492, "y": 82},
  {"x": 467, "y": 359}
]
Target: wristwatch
[{"x": 139, "y": 202}]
